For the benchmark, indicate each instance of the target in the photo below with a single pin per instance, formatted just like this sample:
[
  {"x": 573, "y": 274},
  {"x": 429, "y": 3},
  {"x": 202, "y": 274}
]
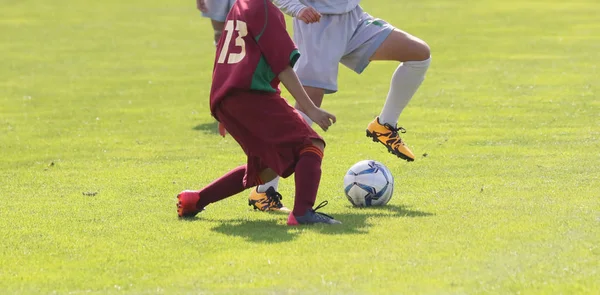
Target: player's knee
[
  {"x": 320, "y": 144},
  {"x": 313, "y": 150},
  {"x": 423, "y": 51},
  {"x": 419, "y": 51}
]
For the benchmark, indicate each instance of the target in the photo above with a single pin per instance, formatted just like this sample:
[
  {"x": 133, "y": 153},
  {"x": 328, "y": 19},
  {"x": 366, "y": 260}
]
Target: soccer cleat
[
  {"x": 388, "y": 136},
  {"x": 186, "y": 204},
  {"x": 267, "y": 201},
  {"x": 312, "y": 217}
]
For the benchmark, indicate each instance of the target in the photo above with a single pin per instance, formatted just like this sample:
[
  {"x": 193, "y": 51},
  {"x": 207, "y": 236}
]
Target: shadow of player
[
  {"x": 274, "y": 231},
  {"x": 212, "y": 127}
]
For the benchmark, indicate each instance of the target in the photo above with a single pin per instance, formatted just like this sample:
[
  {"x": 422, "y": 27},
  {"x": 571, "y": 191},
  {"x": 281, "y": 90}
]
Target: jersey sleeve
[
  {"x": 273, "y": 40},
  {"x": 290, "y": 7}
]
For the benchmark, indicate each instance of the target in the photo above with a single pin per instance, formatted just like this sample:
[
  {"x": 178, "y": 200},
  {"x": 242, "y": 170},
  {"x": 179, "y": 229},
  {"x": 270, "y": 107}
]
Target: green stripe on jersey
[
  {"x": 294, "y": 56},
  {"x": 263, "y": 74},
  {"x": 262, "y": 77}
]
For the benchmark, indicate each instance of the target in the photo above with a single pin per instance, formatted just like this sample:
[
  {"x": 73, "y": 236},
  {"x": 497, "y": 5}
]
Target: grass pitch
[{"x": 104, "y": 119}]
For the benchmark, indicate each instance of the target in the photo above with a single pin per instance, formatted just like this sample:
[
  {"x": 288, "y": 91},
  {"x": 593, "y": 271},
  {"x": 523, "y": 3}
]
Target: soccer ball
[{"x": 368, "y": 183}]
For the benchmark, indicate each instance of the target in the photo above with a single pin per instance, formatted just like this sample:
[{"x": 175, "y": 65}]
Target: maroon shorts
[{"x": 270, "y": 131}]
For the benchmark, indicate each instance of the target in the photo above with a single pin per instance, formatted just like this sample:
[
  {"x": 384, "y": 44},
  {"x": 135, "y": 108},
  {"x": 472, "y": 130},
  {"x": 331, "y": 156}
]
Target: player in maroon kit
[{"x": 253, "y": 56}]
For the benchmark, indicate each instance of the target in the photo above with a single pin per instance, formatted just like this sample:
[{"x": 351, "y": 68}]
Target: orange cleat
[
  {"x": 267, "y": 201},
  {"x": 388, "y": 136}
]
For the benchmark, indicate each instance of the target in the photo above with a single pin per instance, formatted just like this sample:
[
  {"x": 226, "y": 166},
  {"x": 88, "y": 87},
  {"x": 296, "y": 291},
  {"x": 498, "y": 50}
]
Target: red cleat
[{"x": 186, "y": 203}]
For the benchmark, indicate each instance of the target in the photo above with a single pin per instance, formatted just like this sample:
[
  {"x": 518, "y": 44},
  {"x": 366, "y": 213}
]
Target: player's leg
[
  {"x": 414, "y": 55},
  {"x": 282, "y": 141},
  {"x": 265, "y": 196},
  {"x": 253, "y": 135},
  {"x": 218, "y": 27},
  {"x": 308, "y": 176},
  {"x": 216, "y": 11},
  {"x": 250, "y": 135},
  {"x": 191, "y": 202},
  {"x": 317, "y": 67},
  {"x": 375, "y": 39}
]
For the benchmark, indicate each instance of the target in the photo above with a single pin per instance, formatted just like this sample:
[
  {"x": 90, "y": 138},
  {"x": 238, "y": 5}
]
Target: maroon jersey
[{"x": 254, "y": 48}]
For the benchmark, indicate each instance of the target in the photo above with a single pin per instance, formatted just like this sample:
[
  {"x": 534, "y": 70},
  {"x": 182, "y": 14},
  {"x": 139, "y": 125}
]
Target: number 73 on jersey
[{"x": 242, "y": 31}]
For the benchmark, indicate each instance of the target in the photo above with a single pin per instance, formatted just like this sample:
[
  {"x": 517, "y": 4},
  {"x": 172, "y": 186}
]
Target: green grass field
[{"x": 104, "y": 119}]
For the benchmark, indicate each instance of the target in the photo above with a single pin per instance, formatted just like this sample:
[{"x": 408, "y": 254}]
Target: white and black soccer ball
[{"x": 368, "y": 183}]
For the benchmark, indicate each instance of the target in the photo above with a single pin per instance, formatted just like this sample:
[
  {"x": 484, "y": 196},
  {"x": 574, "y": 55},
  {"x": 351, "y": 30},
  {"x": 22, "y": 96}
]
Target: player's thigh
[
  {"x": 321, "y": 47},
  {"x": 375, "y": 39},
  {"x": 368, "y": 34},
  {"x": 315, "y": 94},
  {"x": 267, "y": 120},
  {"x": 271, "y": 132},
  {"x": 402, "y": 46},
  {"x": 319, "y": 143}
]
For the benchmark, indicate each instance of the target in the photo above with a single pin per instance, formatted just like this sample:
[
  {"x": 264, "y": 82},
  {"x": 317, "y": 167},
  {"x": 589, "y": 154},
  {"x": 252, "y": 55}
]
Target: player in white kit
[
  {"x": 329, "y": 32},
  {"x": 217, "y": 11}
]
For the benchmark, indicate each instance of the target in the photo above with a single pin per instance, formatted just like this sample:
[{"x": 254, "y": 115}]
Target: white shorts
[
  {"x": 349, "y": 38},
  {"x": 218, "y": 9}
]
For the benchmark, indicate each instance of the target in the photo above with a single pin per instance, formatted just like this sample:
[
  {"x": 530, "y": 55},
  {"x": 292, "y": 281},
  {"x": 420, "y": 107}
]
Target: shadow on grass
[
  {"x": 273, "y": 231},
  {"x": 396, "y": 211},
  {"x": 211, "y": 127}
]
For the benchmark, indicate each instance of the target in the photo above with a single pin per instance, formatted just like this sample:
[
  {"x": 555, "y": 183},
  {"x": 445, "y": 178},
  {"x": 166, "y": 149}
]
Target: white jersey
[{"x": 292, "y": 7}]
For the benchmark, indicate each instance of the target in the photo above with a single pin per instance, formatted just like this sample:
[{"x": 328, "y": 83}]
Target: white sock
[
  {"x": 406, "y": 80},
  {"x": 264, "y": 187},
  {"x": 306, "y": 118}
]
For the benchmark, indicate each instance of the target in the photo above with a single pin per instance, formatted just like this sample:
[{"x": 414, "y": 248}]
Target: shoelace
[
  {"x": 321, "y": 205},
  {"x": 395, "y": 130},
  {"x": 275, "y": 199}
]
